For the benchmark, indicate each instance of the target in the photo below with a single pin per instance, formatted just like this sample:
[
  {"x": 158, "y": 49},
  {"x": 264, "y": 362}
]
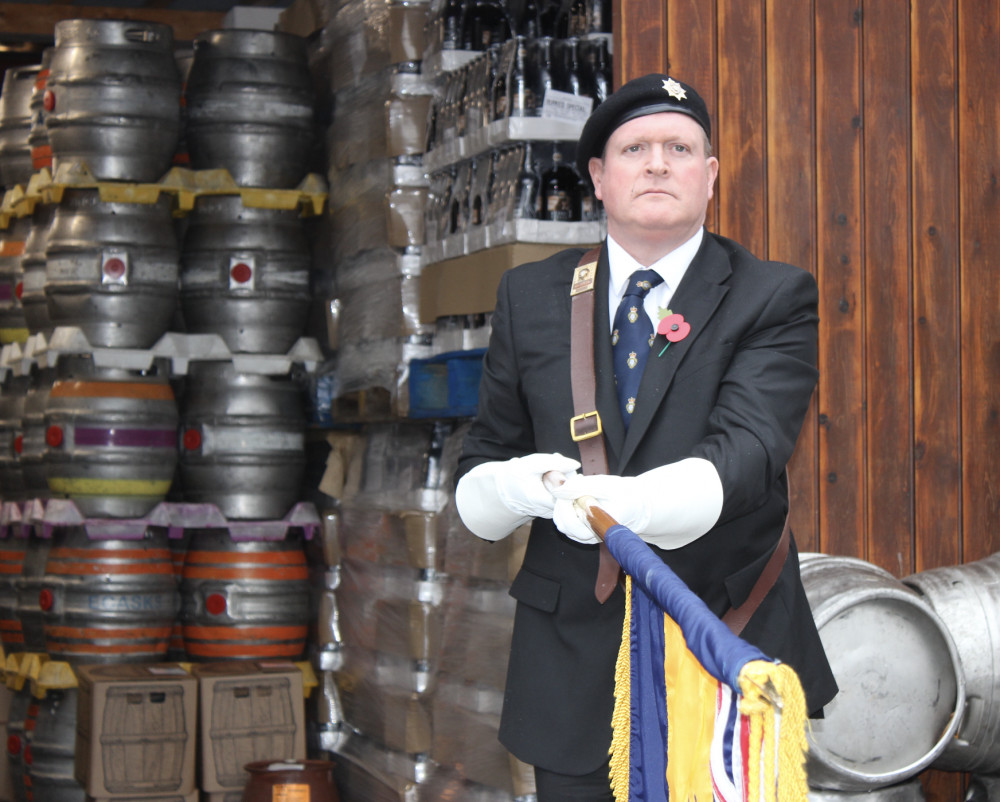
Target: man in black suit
[{"x": 696, "y": 457}]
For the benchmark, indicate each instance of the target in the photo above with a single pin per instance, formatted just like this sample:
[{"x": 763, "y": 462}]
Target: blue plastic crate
[{"x": 446, "y": 385}]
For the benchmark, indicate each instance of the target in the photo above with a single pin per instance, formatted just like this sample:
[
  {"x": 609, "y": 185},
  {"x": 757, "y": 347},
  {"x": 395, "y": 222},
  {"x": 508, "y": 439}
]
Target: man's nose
[{"x": 657, "y": 162}]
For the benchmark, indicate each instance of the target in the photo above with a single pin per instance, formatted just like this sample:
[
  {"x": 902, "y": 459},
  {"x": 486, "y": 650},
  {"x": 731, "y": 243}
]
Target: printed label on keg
[{"x": 293, "y": 792}]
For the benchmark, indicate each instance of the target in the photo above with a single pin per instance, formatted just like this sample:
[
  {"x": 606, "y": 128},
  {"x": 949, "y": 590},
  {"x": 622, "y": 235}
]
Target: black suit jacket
[{"x": 734, "y": 392}]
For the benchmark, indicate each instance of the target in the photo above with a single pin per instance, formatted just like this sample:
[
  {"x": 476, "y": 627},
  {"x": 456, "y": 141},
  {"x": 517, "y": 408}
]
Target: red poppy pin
[{"x": 673, "y": 327}]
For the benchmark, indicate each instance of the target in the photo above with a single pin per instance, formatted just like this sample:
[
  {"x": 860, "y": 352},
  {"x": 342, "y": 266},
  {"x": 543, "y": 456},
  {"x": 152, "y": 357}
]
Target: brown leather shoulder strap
[
  {"x": 585, "y": 425},
  {"x": 736, "y": 618}
]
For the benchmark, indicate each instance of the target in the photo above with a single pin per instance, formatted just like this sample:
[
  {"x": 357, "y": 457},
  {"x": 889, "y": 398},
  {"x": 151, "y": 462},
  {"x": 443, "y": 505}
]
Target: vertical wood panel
[
  {"x": 840, "y": 274},
  {"x": 791, "y": 206},
  {"x": 640, "y": 38},
  {"x": 887, "y": 317},
  {"x": 979, "y": 168},
  {"x": 936, "y": 357},
  {"x": 905, "y": 246},
  {"x": 742, "y": 187},
  {"x": 691, "y": 56}
]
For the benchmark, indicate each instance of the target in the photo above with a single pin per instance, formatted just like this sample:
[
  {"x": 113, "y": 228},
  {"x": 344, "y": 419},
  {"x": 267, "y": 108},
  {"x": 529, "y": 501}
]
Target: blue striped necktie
[{"x": 631, "y": 339}]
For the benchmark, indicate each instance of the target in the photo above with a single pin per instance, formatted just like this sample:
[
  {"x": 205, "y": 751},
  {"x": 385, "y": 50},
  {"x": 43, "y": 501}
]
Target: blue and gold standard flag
[{"x": 700, "y": 715}]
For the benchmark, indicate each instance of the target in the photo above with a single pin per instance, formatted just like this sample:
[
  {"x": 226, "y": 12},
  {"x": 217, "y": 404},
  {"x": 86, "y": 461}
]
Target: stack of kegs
[
  {"x": 245, "y": 278},
  {"x": 106, "y": 445}
]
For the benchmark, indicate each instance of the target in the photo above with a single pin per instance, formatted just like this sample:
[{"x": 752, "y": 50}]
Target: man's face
[{"x": 655, "y": 179}]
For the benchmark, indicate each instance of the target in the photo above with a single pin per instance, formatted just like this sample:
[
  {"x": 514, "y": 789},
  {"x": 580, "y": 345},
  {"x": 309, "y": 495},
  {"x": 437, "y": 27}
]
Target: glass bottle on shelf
[
  {"x": 598, "y": 68},
  {"x": 485, "y": 22},
  {"x": 522, "y": 98},
  {"x": 451, "y": 24},
  {"x": 560, "y": 190},
  {"x": 551, "y": 19},
  {"x": 528, "y": 22},
  {"x": 539, "y": 74},
  {"x": 578, "y": 24},
  {"x": 599, "y": 16},
  {"x": 528, "y": 205}
]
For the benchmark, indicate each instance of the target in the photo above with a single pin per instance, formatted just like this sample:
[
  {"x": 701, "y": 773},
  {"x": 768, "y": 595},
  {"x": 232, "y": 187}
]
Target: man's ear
[{"x": 596, "y": 167}]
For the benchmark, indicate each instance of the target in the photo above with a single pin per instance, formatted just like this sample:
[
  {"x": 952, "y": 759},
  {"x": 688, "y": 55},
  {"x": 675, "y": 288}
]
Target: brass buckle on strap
[{"x": 580, "y": 419}]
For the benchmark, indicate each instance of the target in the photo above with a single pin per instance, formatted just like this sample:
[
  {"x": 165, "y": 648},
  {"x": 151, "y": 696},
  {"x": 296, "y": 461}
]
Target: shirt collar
[{"x": 671, "y": 267}]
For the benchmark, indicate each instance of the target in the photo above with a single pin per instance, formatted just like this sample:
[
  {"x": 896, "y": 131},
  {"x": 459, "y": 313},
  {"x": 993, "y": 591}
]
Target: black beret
[{"x": 640, "y": 96}]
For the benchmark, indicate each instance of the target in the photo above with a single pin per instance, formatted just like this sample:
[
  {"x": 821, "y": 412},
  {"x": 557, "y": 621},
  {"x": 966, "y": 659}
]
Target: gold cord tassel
[
  {"x": 773, "y": 700},
  {"x": 621, "y": 717}
]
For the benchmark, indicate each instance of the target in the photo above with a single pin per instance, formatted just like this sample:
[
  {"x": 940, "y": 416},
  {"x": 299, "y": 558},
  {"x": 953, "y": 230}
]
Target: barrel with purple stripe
[
  {"x": 112, "y": 438},
  {"x": 13, "y": 328}
]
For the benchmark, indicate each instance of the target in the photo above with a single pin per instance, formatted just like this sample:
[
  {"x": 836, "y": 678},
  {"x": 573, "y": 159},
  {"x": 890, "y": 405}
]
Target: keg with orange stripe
[
  {"x": 244, "y": 599},
  {"x": 108, "y": 600},
  {"x": 13, "y": 328},
  {"x": 31, "y": 635},
  {"x": 38, "y": 132},
  {"x": 112, "y": 438},
  {"x": 12, "y": 549}
]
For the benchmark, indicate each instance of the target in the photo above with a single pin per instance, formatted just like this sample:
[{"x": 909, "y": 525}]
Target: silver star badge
[{"x": 674, "y": 89}]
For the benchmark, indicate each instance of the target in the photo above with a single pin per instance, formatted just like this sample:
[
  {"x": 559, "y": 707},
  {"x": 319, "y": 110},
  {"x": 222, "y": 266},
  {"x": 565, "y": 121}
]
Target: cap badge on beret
[{"x": 674, "y": 89}]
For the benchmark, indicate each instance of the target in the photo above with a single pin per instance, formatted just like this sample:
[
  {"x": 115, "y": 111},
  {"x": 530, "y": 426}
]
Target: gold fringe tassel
[
  {"x": 621, "y": 727},
  {"x": 771, "y": 691}
]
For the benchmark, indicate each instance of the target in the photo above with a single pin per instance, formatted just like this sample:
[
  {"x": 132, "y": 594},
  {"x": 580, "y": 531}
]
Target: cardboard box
[
  {"x": 135, "y": 730},
  {"x": 467, "y": 285},
  {"x": 249, "y": 710},
  {"x": 192, "y": 797}
]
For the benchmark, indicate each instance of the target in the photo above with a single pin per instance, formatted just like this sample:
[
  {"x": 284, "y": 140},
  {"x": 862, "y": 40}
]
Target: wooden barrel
[
  {"x": 902, "y": 690},
  {"x": 967, "y": 597},
  {"x": 108, "y": 600},
  {"x": 244, "y": 599},
  {"x": 143, "y": 740}
]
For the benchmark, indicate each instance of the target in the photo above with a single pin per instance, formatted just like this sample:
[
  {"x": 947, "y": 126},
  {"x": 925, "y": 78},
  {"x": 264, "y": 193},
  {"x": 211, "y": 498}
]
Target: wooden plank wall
[{"x": 860, "y": 139}]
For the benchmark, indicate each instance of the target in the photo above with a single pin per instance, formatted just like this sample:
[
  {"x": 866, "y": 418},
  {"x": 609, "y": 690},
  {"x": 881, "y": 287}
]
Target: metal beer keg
[
  {"x": 113, "y": 98},
  {"x": 111, "y": 269},
  {"x": 249, "y": 103}
]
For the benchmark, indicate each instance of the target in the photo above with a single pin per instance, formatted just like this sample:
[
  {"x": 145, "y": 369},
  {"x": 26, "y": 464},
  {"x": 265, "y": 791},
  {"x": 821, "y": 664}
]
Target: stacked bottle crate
[
  {"x": 152, "y": 424},
  {"x": 375, "y": 150},
  {"x": 425, "y": 623}
]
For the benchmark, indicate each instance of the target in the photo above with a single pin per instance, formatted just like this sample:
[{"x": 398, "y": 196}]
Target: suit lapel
[{"x": 699, "y": 294}]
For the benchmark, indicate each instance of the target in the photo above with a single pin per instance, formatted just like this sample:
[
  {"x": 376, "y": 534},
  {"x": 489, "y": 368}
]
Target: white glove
[
  {"x": 495, "y": 498},
  {"x": 669, "y": 506}
]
